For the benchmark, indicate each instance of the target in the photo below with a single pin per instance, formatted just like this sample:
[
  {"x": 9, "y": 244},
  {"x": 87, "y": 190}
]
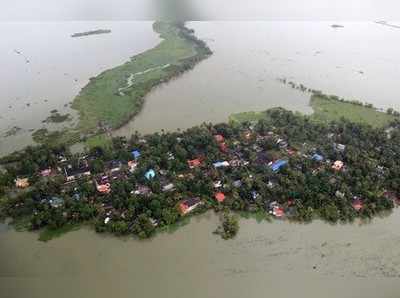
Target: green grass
[
  {"x": 247, "y": 116},
  {"x": 100, "y": 100},
  {"x": 98, "y": 141},
  {"x": 326, "y": 109},
  {"x": 329, "y": 109}
]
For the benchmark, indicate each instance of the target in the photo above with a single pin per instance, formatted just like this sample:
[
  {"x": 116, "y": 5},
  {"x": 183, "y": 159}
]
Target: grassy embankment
[
  {"x": 112, "y": 98},
  {"x": 328, "y": 108}
]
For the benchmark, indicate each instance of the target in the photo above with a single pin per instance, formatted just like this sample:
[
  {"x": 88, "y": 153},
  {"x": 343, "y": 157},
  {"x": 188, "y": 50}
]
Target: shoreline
[
  {"x": 100, "y": 105},
  {"x": 277, "y": 149}
]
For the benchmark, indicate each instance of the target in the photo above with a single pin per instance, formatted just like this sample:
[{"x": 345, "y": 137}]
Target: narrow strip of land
[{"x": 116, "y": 95}]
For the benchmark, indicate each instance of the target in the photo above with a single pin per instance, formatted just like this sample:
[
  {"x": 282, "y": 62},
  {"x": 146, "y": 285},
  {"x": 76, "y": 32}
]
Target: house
[
  {"x": 56, "y": 202},
  {"x": 45, "y": 172},
  {"x": 135, "y": 154},
  {"x": 219, "y": 138},
  {"x": 114, "y": 166},
  {"x": 170, "y": 156},
  {"x": 254, "y": 194},
  {"x": 221, "y": 164},
  {"x": 189, "y": 205},
  {"x": 357, "y": 203},
  {"x": 132, "y": 165},
  {"x": 22, "y": 182},
  {"x": 194, "y": 163},
  {"x": 338, "y": 165},
  {"x": 223, "y": 147},
  {"x": 142, "y": 190},
  {"x": 168, "y": 187},
  {"x": 276, "y": 209},
  {"x": 220, "y": 197},
  {"x": 277, "y": 165},
  {"x": 282, "y": 143},
  {"x": 150, "y": 174},
  {"x": 72, "y": 173},
  {"x": 317, "y": 157},
  {"x": 339, "y": 194},
  {"x": 339, "y": 147},
  {"x": 237, "y": 183},
  {"x": 218, "y": 184},
  {"x": 102, "y": 184}
]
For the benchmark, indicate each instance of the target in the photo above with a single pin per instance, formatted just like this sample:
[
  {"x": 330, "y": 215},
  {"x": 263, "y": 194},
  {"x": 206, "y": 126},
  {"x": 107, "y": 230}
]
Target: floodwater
[
  {"x": 359, "y": 61},
  {"x": 43, "y": 68},
  {"x": 266, "y": 259}
]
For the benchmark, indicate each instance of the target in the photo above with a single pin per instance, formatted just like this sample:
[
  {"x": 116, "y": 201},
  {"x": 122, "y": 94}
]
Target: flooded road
[{"x": 279, "y": 259}]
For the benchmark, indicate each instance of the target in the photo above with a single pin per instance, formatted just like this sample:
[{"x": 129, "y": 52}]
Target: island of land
[
  {"x": 272, "y": 164},
  {"x": 116, "y": 95},
  {"x": 92, "y": 32}
]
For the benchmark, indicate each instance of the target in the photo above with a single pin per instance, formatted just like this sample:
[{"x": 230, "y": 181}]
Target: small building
[
  {"x": 276, "y": 209},
  {"x": 72, "y": 173},
  {"x": 339, "y": 147},
  {"x": 189, "y": 205},
  {"x": 223, "y": 147},
  {"x": 338, "y": 165},
  {"x": 168, "y": 187},
  {"x": 219, "y": 138},
  {"x": 217, "y": 184},
  {"x": 237, "y": 183},
  {"x": 45, "y": 172},
  {"x": 221, "y": 164},
  {"x": 220, "y": 197},
  {"x": 22, "y": 182},
  {"x": 194, "y": 163},
  {"x": 103, "y": 184},
  {"x": 282, "y": 143},
  {"x": 357, "y": 203},
  {"x": 150, "y": 174},
  {"x": 56, "y": 202},
  {"x": 132, "y": 165},
  {"x": 142, "y": 190},
  {"x": 317, "y": 157},
  {"x": 114, "y": 166},
  {"x": 135, "y": 154},
  {"x": 279, "y": 164}
]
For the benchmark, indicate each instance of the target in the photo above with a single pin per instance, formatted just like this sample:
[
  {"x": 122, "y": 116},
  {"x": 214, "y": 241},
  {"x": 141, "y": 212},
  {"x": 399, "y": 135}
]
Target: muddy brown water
[
  {"x": 266, "y": 259},
  {"x": 276, "y": 259}
]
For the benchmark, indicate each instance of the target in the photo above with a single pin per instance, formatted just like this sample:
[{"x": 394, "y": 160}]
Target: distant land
[{"x": 92, "y": 32}]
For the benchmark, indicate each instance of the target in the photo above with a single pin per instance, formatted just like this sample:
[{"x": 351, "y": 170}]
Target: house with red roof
[
  {"x": 194, "y": 163},
  {"x": 220, "y": 197},
  {"x": 189, "y": 205},
  {"x": 357, "y": 203},
  {"x": 219, "y": 138}
]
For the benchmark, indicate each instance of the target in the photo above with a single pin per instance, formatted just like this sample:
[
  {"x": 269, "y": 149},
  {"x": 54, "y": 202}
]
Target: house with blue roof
[
  {"x": 276, "y": 166},
  {"x": 135, "y": 154},
  {"x": 317, "y": 157},
  {"x": 150, "y": 174}
]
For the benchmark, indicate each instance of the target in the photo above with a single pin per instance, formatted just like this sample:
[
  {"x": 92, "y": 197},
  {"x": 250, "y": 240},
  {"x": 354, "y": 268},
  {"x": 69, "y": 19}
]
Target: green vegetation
[
  {"x": 229, "y": 226},
  {"x": 116, "y": 95},
  {"x": 56, "y": 117},
  {"x": 327, "y": 108},
  {"x": 285, "y": 166},
  {"x": 48, "y": 234}
]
